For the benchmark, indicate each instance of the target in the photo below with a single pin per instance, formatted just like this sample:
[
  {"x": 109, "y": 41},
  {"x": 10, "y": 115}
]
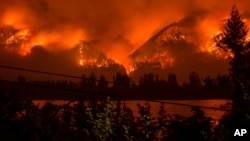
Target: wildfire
[
  {"x": 159, "y": 59},
  {"x": 17, "y": 41},
  {"x": 81, "y": 62},
  {"x": 164, "y": 58},
  {"x": 174, "y": 34},
  {"x": 211, "y": 48},
  {"x": 65, "y": 31},
  {"x": 21, "y": 41},
  {"x": 210, "y": 30},
  {"x": 92, "y": 58}
]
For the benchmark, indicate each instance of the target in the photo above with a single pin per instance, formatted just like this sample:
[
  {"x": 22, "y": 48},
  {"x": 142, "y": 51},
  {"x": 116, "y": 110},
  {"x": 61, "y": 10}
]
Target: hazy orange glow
[
  {"x": 12, "y": 18},
  {"x": 61, "y": 39},
  {"x": 116, "y": 28}
]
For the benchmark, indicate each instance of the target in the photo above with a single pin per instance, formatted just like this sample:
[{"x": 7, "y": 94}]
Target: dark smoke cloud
[{"x": 105, "y": 21}]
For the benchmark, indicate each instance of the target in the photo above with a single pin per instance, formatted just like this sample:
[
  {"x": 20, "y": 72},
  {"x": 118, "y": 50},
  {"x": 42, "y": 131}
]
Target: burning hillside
[
  {"x": 89, "y": 57},
  {"x": 175, "y": 49},
  {"x": 158, "y": 47},
  {"x": 171, "y": 47},
  {"x": 128, "y": 33},
  {"x": 14, "y": 40},
  {"x": 173, "y": 44}
]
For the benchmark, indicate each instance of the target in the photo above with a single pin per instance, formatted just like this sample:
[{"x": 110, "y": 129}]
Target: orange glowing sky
[{"x": 116, "y": 28}]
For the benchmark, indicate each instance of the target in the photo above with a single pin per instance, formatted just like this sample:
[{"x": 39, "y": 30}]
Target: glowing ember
[{"x": 81, "y": 62}]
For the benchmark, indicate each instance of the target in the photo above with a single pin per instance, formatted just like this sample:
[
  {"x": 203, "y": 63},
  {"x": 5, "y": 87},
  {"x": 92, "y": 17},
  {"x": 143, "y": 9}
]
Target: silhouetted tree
[
  {"x": 194, "y": 79},
  {"x": 162, "y": 122},
  {"x": 149, "y": 79},
  {"x": 121, "y": 79},
  {"x": 196, "y": 127},
  {"x": 21, "y": 79},
  {"x": 141, "y": 81},
  {"x": 145, "y": 123},
  {"x": 233, "y": 39},
  {"x": 92, "y": 81},
  {"x": 102, "y": 83},
  {"x": 209, "y": 82},
  {"x": 172, "y": 80},
  {"x": 84, "y": 81},
  {"x": 223, "y": 81}
]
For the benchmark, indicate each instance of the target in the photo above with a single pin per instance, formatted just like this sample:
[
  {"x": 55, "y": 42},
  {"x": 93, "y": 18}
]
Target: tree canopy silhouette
[
  {"x": 234, "y": 40},
  {"x": 234, "y": 34}
]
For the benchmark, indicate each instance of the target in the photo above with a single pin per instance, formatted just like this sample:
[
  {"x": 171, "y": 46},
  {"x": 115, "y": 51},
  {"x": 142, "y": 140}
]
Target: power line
[
  {"x": 190, "y": 105},
  {"x": 121, "y": 97},
  {"x": 36, "y": 71},
  {"x": 62, "y": 75},
  {"x": 117, "y": 96},
  {"x": 65, "y": 75}
]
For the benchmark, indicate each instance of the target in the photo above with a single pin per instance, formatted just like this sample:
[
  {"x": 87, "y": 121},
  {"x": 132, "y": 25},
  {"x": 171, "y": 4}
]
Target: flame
[
  {"x": 163, "y": 58},
  {"x": 211, "y": 48},
  {"x": 23, "y": 40},
  {"x": 30, "y": 33},
  {"x": 94, "y": 63},
  {"x": 81, "y": 62},
  {"x": 63, "y": 30},
  {"x": 91, "y": 61},
  {"x": 210, "y": 29},
  {"x": 19, "y": 42}
]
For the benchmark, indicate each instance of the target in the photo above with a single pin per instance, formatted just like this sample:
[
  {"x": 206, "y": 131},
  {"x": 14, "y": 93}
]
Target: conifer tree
[{"x": 234, "y": 40}]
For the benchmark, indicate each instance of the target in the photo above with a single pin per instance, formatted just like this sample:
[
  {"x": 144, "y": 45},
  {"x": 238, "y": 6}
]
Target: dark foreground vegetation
[{"x": 107, "y": 121}]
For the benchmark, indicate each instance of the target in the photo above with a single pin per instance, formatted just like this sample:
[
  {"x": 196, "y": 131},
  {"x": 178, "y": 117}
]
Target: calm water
[{"x": 170, "y": 108}]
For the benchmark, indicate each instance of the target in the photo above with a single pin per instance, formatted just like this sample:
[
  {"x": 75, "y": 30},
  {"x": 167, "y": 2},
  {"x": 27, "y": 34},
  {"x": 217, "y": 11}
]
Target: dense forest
[{"x": 105, "y": 120}]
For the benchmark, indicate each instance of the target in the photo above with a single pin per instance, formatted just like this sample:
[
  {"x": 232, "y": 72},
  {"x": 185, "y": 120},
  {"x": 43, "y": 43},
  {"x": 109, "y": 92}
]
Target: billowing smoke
[{"x": 115, "y": 28}]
